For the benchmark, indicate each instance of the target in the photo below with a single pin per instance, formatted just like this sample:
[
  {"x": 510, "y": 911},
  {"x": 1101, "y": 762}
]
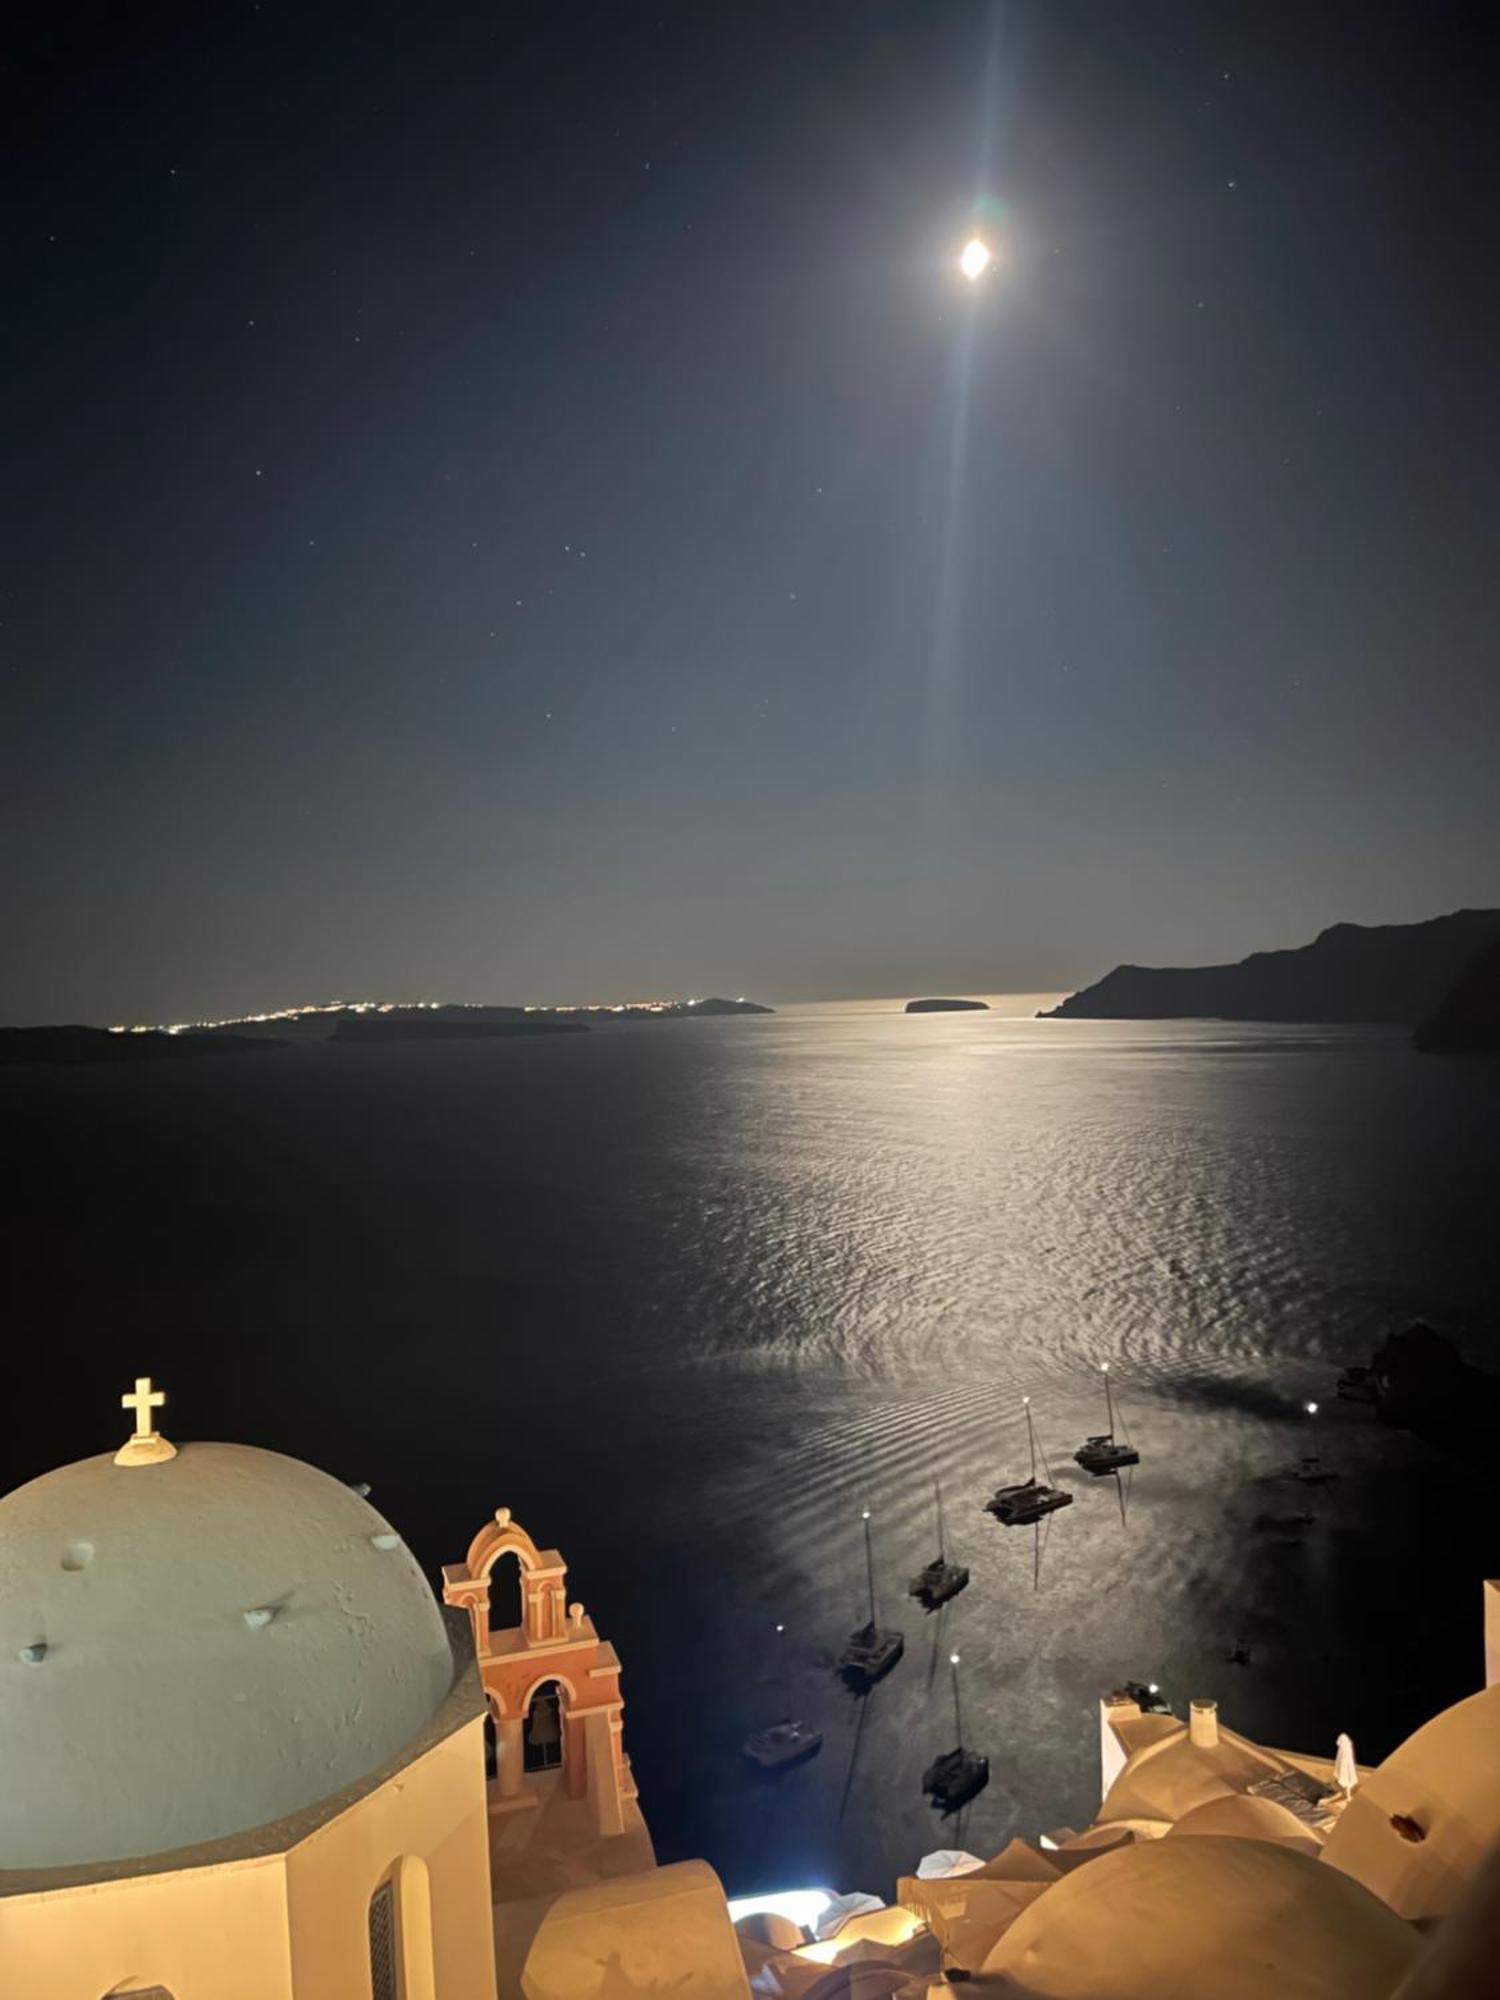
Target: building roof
[
  {"x": 1166, "y": 1778},
  {"x": 1178, "y": 1919},
  {"x": 1245, "y": 1818},
  {"x": 1445, "y": 1781},
  {"x": 195, "y": 1647}
]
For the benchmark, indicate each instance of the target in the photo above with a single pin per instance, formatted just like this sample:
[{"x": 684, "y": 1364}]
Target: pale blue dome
[{"x": 192, "y": 1648}]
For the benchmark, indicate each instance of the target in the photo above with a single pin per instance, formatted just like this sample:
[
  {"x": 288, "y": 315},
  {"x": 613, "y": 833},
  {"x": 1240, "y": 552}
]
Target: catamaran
[
  {"x": 874, "y": 1649},
  {"x": 940, "y": 1579},
  {"x": 788, "y": 1741},
  {"x": 1018, "y": 1506},
  {"x": 1106, "y": 1453},
  {"x": 951, "y": 1780}
]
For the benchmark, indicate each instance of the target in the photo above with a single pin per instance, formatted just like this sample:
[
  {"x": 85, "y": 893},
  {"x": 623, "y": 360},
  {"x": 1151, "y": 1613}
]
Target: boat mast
[
  {"x": 1109, "y": 1402},
  {"x": 786, "y": 1670},
  {"x": 1030, "y": 1436},
  {"x": 937, "y": 1487},
  {"x": 870, "y": 1567},
  {"x": 958, "y": 1720}
]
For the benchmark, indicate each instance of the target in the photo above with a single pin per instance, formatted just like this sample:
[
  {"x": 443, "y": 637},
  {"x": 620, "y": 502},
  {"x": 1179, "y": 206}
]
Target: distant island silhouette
[
  {"x": 1396, "y": 973},
  {"x": 947, "y": 1006},
  {"x": 449, "y": 1025},
  {"x": 1467, "y": 1020},
  {"x": 73, "y": 1044},
  {"x": 366, "y": 1021}
]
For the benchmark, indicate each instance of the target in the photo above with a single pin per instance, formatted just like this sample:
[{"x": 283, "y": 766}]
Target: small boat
[
  {"x": 874, "y": 1649},
  {"x": 1018, "y": 1506},
  {"x": 952, "y": 1779},
  {"x": 1104, "y": 1453},
  {"x": 1311, "y": 1471},
  {"x": 782, "y": 1745},
  {"x": 940, "y": 1579},
  {"x": 1147, "y": 1697},
  {"x": 787, "y": 1742}
]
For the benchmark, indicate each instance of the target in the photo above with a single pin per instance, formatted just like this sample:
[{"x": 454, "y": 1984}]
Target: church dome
[
  {"x": 195, "y": 1647},
  {"x": 1178, "y": 1919}
]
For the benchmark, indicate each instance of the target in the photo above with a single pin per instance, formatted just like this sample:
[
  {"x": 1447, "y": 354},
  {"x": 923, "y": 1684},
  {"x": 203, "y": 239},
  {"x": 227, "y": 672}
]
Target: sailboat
[
  {"x": 786, "y": 1742},
  {"x": 874, "y": 1649},
  {"x": 1104, "y": 1453},
  {"x": 951, "y": 1780},
  {"x": 940, "y": 1579},
  {"x": 1017, "y": 1506}
]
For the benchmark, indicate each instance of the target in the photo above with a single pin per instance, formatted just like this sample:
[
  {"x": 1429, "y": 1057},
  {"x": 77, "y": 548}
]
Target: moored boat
[
  {"x": 873, "y": 1649},
  {"x": 952, "y": 1779},
  {"x": 1105, "y": 1453},
  {"x": 1029, "y": 1499},
  {"x": 788, "y": 1741},
  {"x": 940, "y": 1579}
]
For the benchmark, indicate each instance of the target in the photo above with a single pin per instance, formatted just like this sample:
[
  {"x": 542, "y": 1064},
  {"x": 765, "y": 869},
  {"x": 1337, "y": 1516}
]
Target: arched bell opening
[
  {"x": 543, "y": 1735},
  {"x": 505, "y": 1592}
]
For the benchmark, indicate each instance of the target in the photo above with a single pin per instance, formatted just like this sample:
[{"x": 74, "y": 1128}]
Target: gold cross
[{"x": 143, "y": 1402}]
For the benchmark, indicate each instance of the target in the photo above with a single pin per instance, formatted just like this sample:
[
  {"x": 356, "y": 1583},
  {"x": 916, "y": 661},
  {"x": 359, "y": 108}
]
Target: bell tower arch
[{"x": 555, "y": 1645}]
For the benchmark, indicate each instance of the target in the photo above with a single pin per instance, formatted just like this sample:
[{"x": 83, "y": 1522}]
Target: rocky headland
[
  {"x": 1396, "y": 973},
  {"x": 1467, "y": 1020}
]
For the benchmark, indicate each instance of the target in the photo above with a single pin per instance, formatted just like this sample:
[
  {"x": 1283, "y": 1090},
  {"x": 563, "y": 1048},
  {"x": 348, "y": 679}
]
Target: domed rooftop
[
  {"x": 1178, "y": 1919},
  {"x": 1245, "y": 1818},
  {"x": 1443, "y": 1781},
  {"x": 1167, "y": 1778},
  {"x": 194, "y": 1647}
]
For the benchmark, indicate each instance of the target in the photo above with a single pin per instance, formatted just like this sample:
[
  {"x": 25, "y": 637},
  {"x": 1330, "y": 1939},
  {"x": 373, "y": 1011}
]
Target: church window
[{"x": 383, "y": 1943}]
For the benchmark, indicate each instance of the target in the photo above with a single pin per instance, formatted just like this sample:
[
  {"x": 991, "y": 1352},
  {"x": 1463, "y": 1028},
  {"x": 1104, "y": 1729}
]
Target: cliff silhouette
[
  {"x": 1397, "y": 973},
  {"x": 1467, "y": 1020}
]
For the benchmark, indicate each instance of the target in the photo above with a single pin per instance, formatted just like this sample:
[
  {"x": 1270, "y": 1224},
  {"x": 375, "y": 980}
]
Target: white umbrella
[
  {"x": 1345, "y": 1770},
  {"x": 841, "y": 1908},
  {"x": 947, "y": 1861}
]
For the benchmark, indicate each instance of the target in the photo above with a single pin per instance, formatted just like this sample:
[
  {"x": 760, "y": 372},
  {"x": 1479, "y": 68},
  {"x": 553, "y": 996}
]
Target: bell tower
[{"x": 555, "y": 1647}]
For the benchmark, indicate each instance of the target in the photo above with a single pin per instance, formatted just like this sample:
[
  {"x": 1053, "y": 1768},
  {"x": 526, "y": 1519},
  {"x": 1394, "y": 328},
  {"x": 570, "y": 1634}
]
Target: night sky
[{"x": 518, "y": 503}]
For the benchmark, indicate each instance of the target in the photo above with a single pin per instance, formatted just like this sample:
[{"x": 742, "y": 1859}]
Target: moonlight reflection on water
[{"x": 688, "y": 1297}]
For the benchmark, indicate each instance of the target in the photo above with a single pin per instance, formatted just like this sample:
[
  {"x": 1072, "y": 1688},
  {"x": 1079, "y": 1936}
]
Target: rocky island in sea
[
  {"x": 947, "y": 1006},
  {"x": 1397, "y": 973}
]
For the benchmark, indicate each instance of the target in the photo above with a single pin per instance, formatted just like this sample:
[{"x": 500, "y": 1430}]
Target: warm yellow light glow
[{"x": 976, "y": 259}]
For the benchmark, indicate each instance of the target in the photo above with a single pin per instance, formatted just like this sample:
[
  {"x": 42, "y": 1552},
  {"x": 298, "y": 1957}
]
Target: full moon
[{"x": 976, "y": 258}]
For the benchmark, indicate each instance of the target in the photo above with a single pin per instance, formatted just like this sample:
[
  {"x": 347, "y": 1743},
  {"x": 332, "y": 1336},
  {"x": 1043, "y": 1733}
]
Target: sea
[{"x": 690, "y": 1296}]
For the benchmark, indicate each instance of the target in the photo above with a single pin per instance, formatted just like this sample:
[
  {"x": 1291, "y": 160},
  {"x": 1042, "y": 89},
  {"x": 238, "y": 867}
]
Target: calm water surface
[{"x": 687, "y": 1296}]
